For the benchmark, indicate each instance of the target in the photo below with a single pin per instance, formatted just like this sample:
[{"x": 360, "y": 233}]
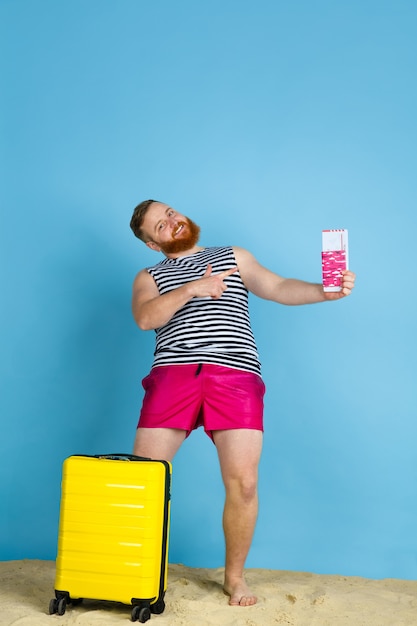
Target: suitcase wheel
[
  {"x": 141, "y": 614},
  {"x": 53, "y": 606},
  {"x": 57, "y": 606},
  {"x": 62, "y": 605}
]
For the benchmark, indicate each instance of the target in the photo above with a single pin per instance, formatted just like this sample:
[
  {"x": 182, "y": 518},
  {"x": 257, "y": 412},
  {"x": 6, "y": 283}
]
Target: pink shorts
[{"x": 189, "y": 396}]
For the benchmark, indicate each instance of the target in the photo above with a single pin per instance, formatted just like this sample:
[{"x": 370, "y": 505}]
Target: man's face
[{"x": 168, "y": 230}]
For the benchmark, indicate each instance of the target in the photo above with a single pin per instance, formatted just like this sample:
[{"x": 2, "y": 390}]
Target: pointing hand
[{"x": 212, "y": 285}]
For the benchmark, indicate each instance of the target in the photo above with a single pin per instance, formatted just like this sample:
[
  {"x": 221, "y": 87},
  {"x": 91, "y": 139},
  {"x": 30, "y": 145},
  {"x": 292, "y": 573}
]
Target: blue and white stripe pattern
[{"x": 206, "y": 330}]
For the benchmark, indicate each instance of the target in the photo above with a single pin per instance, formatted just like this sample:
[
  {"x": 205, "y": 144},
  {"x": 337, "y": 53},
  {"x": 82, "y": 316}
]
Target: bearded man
[{"x": 206, "y": 370}]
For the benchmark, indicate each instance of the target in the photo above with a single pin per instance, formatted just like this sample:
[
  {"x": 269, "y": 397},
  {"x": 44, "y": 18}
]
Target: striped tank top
[{"x": 205, "y": 330}]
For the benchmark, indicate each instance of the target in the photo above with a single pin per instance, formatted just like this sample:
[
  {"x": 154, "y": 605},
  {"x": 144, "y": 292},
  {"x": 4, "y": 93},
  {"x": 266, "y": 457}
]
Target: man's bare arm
[{"x": 290, "y": 291}]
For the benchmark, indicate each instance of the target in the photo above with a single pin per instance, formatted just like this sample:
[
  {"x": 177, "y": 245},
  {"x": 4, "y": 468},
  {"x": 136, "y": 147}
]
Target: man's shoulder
[
  {"x": 242, "y": 253},
  {"x": 143, "y": 279}
]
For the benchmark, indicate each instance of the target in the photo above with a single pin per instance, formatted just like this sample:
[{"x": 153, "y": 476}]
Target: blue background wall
[{"x": 264, "y": 121}]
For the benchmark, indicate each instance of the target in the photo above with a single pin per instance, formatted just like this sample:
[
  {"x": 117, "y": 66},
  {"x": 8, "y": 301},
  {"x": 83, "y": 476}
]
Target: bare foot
[{"x": 239, "y": 592}]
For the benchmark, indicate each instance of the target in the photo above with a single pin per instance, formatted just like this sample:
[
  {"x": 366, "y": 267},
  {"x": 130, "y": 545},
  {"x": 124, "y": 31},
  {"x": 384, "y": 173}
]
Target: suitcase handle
[{"x": 121, "y": 457}]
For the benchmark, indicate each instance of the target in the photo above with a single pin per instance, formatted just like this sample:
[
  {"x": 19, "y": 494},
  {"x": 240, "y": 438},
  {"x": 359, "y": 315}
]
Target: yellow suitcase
[{"x": 113, "y": 533}]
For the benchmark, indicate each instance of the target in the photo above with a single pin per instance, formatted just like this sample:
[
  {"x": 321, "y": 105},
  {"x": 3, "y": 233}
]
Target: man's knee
[{"x": 244, "y": 488}]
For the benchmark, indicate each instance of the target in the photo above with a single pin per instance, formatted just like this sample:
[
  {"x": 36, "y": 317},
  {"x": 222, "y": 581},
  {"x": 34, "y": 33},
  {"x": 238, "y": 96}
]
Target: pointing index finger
[{"x": 227, "y": 273}]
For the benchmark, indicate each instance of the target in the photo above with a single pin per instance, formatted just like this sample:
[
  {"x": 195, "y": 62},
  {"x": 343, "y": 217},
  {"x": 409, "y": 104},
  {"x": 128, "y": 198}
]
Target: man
[{"x": 206, "y": 369}]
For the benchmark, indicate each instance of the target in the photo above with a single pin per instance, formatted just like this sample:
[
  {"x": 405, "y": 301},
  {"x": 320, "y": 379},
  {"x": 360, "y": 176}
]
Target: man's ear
[{"x": 153, "y": 246}]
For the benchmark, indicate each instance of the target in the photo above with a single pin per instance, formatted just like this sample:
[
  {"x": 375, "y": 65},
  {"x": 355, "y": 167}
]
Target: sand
[{"x": 195, "y": 598}]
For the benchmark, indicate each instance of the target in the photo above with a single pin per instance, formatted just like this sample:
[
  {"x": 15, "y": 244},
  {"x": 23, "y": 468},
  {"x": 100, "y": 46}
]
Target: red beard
[{"x": 185, "y": 241}]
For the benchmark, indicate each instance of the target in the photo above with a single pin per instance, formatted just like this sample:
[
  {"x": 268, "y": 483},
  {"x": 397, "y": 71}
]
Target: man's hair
[{"x": 138, "y": 216}]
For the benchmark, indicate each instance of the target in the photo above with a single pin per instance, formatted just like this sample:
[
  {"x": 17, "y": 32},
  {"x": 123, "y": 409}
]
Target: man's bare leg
[
  {"x": 239, "y": 454},
  {"x": 158, "y": 443}
]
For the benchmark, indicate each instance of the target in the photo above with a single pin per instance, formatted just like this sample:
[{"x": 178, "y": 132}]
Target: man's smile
[{"x": 178, "y": 230}]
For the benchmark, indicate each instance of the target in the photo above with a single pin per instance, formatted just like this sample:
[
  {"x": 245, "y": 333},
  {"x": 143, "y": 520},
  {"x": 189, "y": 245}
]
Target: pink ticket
[{"x": 334, "y": 257}]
